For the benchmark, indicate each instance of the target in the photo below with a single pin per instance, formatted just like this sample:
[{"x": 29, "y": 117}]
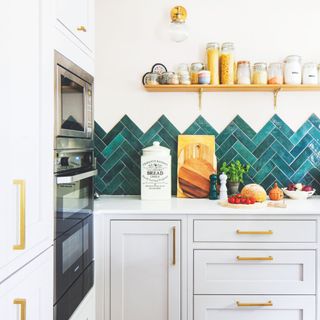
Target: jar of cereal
[
  {"x": 260, "y": 74},
  {"x": 227, "y": 63}
]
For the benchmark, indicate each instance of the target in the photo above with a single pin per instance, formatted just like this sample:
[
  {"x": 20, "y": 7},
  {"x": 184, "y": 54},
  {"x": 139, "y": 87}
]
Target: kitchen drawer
[
  {"x": 277, "y": 308},
  {"x": 254, "y": 231},
  {"x": 254, "y": 272}
]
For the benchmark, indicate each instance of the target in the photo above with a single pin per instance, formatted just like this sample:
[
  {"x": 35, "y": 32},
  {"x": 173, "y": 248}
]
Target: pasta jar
[
  {"x": 213, "y": 53},
  {"x": 227, "y": 63},
  {"x": 310, "y": 73},
  {"x": 243, "y": 72},
  {"x": 260, "y": 74},
  {"x": 275, "y": 73},
  {"x": 292, "y": 70},
  {"x": 194, "y": 70}
]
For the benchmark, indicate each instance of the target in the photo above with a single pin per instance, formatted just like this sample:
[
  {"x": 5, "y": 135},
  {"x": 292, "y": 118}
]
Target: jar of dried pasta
[
  {"x": 213, "y": 53},
  {"x": 227, "y": 63}
]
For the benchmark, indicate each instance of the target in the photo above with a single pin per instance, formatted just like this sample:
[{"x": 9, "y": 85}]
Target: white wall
[{"x": 132, "y": 35}]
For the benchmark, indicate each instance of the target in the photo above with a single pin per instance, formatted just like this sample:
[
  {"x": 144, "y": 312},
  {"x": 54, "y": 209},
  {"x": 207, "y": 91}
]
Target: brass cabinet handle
[
  {"x": 255, "y": 232},
  {"x": 22, "y": 223},
  {"x": 269, "y": 258},
  {"x": 82, "y": 28},
  {"x": 174, "y": 246},
  {"x": 23, "y": 306},
  {"x": 249, "y": 304}
]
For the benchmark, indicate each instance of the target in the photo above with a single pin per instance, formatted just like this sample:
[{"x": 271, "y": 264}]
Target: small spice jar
[
  {"x": 173, "y": 78},
  {"x": 213, "y": 55},
  {"x": 184, "y": 78},
  {"x": 275, "y": 73},
  {"x": 164, "y": 77},
  {"x": 227, "y": 63},
  {"x": 260, "y": 74},
  {"x": 243, "y": 72},
  {"x": 292, "y": 70},
  {"x": 310, "y": 73},
  {"x": 152, "y": 79},
  {"x": 194, "y": 70},
  {"x": 204, "y": 77}
]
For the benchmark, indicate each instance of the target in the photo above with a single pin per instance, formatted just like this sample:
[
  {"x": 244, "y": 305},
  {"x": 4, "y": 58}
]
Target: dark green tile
[
  {"x": 244, "y": 127},
  {"x": 263, "y": 146},
  {"x": 131, "y": 126},
  {"x": 99, "y": 131},
  {"x": 315, "y": 121},
  {"x": 301, "y": 159},
  {"x": 113, "y": 133},
  {"x": 225, "y": 147},
  {"x": 282, "y": 139},
  {"x": 245, "y": 153},
  {"x": 303, "y": 130},
  {"x": 282, "y": 152},
  {"x": 263, "y": 133},
  {"x": 244, "y": 139},
  {"x": 225, "y": 134},
  {"x": 282, "y": 126},
  {"x": 172, "y": 130},
  {"x": 303, "y": 170},
  {"x": 205, "y": 126},
  {"x": 150, "y": 133},
  {"x": 282, "y": 165},
  {"x": 113, "y": 146},
  {"x": 265, "y": 157},
  {"x": 264, "y": 171},
  {"x": 302, "y": 144}
]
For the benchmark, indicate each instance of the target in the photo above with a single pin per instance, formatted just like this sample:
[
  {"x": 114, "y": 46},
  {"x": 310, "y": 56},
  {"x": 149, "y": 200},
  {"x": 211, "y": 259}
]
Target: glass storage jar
[
  {"x": 227, "y": 63},
  {"x": 292, "y": 70},
  {"x": 318, "y": 73},
  {"x": 243, "y": 72},
  {"x": 260, "y": 74},
  {"x": 310, "y": 73},
  {"x": 152, "y": 79},
  {"x": 275, "y": 73},
  {"x": 194, "y": 70},
  {"x": 204, "y": 77},
  {"x": 213, "y": 54}
]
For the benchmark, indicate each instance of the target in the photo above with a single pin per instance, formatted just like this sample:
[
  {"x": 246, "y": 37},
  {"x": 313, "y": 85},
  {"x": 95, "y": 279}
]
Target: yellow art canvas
[{"x": 196, "y": 162}]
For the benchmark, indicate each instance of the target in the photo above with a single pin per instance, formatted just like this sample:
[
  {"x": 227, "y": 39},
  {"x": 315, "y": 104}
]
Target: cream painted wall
[{"x": 132, "y": 35}]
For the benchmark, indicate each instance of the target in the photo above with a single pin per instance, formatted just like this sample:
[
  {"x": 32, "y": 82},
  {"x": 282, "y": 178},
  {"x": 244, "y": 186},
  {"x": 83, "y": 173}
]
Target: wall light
[{"x": 178, "y": 28}]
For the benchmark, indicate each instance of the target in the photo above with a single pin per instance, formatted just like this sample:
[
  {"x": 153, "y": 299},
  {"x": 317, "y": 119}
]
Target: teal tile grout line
[{"x": 276, "y": 152}]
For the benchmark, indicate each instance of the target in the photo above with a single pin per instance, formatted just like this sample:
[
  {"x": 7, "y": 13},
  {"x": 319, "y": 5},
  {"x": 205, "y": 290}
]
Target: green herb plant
[{"x": 235, "y": 171}]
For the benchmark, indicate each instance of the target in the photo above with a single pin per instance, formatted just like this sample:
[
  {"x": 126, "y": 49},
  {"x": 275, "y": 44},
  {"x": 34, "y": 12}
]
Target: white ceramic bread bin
[{"x": 156, "y": 173}]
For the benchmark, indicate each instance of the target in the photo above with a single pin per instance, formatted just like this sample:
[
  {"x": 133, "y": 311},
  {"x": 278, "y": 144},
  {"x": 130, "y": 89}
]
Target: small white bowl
[{"x": 298, "y": 195}]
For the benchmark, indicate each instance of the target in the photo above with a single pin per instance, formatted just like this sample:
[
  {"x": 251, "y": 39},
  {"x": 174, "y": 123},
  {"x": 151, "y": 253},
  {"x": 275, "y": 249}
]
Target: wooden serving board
[{"x": 257, "y": 205}]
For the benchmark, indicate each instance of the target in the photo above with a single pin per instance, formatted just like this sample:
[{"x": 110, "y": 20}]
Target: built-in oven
[
  {"x": 74, "y": 112},
  {"x": 74, "y": 260}
]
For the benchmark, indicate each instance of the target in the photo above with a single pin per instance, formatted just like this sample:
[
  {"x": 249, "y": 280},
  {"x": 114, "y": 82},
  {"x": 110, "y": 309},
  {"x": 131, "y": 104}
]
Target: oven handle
[{"x": 76, "y": 177}]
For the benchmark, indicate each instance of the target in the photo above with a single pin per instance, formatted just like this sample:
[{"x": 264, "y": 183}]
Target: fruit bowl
[{"x": 298, "y": 194}]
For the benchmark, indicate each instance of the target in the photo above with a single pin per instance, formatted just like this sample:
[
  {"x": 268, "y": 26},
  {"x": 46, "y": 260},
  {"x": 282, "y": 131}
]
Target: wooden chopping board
[{"x": 257, "y": 205}]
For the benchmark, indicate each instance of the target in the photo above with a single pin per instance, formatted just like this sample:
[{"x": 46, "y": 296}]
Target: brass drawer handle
[
  {"x": 255, "y": 232},
  {"x": 82, "y": 28},
  {"x": 262, "y": 304},
  {"x": 23, "y": 306},
  {"x": 269, "y": 258},
  {"x": 174, "y": 246},
  {"x": 22, "y": 223}
]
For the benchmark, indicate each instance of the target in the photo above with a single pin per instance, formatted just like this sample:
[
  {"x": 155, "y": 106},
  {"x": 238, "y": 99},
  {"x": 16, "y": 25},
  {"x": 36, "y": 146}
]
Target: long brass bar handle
[
  {"x": 22, "y": 222},
  {"x": 268, "y": 232},
  {"x": 262, "y": 304},
  {"x": 269, "y": 258},
  {"x": 174, "y": 246},
  {"x": 23, "y": 307}
]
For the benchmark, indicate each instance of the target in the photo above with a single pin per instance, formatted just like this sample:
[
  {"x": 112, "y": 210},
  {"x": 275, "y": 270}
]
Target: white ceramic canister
[
  {"x": 292, "y": 70},
  {"x": 310, "y": 73},
  {"x": 156, "y": 173}
]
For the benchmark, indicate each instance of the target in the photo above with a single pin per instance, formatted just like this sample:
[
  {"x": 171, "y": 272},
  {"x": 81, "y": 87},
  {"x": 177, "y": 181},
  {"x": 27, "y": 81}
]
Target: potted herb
[{"x": 234, "y": 171}]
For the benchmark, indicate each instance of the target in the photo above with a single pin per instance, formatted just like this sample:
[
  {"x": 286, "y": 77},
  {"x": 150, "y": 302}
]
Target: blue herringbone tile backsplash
[{"x": 275, "y": 153}]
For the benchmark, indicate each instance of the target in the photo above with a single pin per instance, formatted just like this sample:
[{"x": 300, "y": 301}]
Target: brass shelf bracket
[
  {"x": 275, "y": 98},
  {"x": 200, "y": 99}
]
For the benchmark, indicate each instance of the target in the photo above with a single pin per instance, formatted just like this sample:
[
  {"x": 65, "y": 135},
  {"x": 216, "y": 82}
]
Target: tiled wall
[{"x": 275, "y": 153}]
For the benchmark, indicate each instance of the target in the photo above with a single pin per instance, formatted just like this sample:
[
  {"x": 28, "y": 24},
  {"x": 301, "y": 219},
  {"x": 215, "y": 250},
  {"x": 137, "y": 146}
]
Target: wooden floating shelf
[{"x": 231, "y": 88}]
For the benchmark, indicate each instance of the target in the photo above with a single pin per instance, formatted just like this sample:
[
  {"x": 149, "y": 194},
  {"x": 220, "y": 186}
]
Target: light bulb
[{"x": 178, "y": 31}]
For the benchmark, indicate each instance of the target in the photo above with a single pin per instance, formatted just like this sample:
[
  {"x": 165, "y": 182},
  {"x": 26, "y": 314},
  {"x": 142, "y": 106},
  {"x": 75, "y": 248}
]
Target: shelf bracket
[
  {"x": 275, "y": 98},
  {"x": 200, "y": 99}
]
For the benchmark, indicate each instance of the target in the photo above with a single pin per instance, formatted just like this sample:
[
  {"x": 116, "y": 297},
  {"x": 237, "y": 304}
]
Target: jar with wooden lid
[
  {"x": 275, "y": 73},
  {"x": 213, "y": 53},
  {"x": 227, "y": 63},
  {"x": 243, "y": 72},
  {"x": 260, "y": 74}
]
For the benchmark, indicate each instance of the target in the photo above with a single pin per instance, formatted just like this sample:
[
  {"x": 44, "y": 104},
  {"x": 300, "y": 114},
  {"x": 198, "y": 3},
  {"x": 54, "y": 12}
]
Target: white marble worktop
[{"x": 133, "y": 205}]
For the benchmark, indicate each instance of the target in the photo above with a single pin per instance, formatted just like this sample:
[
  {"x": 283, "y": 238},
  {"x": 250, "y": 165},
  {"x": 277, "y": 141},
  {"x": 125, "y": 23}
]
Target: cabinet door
[
  {"x": 145, "y": 270},
  {"x": 26, "y": 227},
  {"x": 77, "y": 16},
  {"x": 86, "y": 310},
  {"x": 28, "y": 294}
]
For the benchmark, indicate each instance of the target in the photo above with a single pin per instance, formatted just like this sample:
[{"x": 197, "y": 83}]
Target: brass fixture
[
  {"x": 22, "y": 209},
  {"x": 174, "y": 246},
  {"x": 255, "y": 232},
  {"x": 254, "y": 304},
  {"x": 178, "y": 14},
  {"x": 82, "y": 28},
  {"x": 269, "y": 258},
  {"x": 23, "y": 307}
]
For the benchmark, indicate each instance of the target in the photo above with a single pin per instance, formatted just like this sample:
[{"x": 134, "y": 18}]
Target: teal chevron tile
[
  {"x": 228, "y": 157},
  {"x": 114, "y": 183},
  {"x": 265, "y": 157},
  {"x": 99, "y": 184},
  {"x": 306, "y": 166},
  {"x": 170, "y": 141},
  {"x": 282, "y": 152},
  {"x": 268, "y": 182},
  {"x": 297, "y": 163},
  {"x": 245, "y": 153},
  {"x": 131, "y": 178},
  {"x": 315, "y": 134},
  {"x": 131, "y": 126},
  {"x": 302, "y": 131},
  {"x": 316, "y": 185},
  {"x": 171, "y": 129},
  {"x": 205, "y": 126},
  {"x": 264, "y": 171},
  {"x": 99, "y": 144},
  {"x": 99, "y": 131},
  {"x": 244, "y": 139},
  {"x": 114, "y": 158},
  {"x": 131, "y": 139},
  {"x": 134, "y": 167},
  {"x": 282, "y": 179},
  {"x": 113, "y": 133},
  {"x": 282, "y": 139},
  {"x": 227, "y": 144},
  {"x": 315, "y": 173},
  {"x": 263, "y": 146},
  {"x": 225, "y": 134},
  {"x": 315, "y": 121},
  {"x": 113, "y": 171},
  {"x": 101, "y": 171},
  {"x": 131, "y": 152},
  {"x": 200, "y": 132},
  {"x": 263, "y": 133},
  {"x": 192, "y": 129},
  {"x": 301, "y": 145},
  {"x": 244, "y": 127},
  {"x": 113, "y": 146},
  {"x": 151, "y": 133},
  {"x": 282, "y": 126},
  {"x": 284, "y": 167},
  {"x": 308, "y": 179},
  {"x": 119, "y": 191}
]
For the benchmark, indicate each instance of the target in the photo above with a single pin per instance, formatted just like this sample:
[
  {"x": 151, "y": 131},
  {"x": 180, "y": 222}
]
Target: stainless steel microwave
[{"x": 73, "y": 100}]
